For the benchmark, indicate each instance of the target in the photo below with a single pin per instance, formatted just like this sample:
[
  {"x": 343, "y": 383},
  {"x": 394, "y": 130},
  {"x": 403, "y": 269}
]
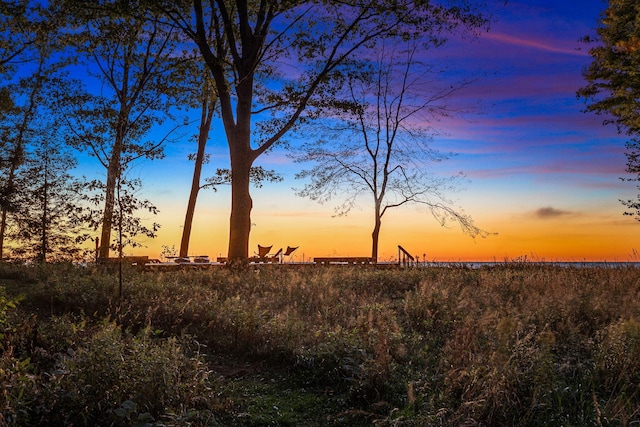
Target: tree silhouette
[
  {"x": 31, "y": 93},
  {"x": 613, "y": 81},
  {"x": 206, "y": 94},
  {"x": 129, "y": 212},
  {"x": 49, "y": 216},
  {"x": 258, "y": 175},
  {"x": 138, "y": 64},
  {"x": 275, "y": 65},
  {"x": 378, "y": 144}
]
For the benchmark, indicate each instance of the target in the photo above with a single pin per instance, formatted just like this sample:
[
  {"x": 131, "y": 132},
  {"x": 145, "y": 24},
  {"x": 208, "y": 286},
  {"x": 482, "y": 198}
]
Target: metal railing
[{"x": 405, "y": 258}]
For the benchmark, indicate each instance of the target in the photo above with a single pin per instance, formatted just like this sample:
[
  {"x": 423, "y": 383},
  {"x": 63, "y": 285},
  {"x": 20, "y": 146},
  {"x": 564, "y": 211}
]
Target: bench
[
  {"x": 343, "y": 260},
  {"x": 132, "y": 260}
]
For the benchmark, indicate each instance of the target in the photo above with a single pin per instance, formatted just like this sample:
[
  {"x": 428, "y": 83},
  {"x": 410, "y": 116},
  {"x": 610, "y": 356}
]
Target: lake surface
[{"x": 568, "y": 264}]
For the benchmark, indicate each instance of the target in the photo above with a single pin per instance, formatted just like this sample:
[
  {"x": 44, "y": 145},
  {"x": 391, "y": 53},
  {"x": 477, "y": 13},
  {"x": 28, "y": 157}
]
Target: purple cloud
[{"x": 548, "y": 46}]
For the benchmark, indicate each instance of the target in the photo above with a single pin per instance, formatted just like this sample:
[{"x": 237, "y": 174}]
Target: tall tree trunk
[
  {"x": 375, "y": 234},
  {"x": 16, "y": 161},
  {"x": 241, "y": 205},
  {"x": 191, "y": 207},
  {"x": 203, "y": 136},
  {"x": 44, "y": 219},
  {"x": 113, "y": 172},
  {"x": 3, "y": 228},
  {"x": 237, "y": 126},
  {"x": 242, "y": 157}
]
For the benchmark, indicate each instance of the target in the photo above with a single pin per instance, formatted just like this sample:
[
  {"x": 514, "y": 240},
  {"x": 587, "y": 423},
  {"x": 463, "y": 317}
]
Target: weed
[{"x": 518, "y": 343}]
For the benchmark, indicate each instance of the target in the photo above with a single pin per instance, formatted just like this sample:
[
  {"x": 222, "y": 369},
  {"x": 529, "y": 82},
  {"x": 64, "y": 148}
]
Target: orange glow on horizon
[{"x": 600, "y": 237}]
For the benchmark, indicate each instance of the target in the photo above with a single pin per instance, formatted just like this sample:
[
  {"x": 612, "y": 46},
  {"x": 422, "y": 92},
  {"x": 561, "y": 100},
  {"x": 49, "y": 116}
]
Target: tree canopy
[
  {"x": 277, "y": 64},
  {"x": 613, "y": 80},
  {"x": 139, "y": 66},
  {"x": 274, "y": 66},
  {"x": 613, "y": 77}
]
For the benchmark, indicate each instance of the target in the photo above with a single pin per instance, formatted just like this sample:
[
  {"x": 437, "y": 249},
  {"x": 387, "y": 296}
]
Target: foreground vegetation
[{"x": 517, "y": 344}]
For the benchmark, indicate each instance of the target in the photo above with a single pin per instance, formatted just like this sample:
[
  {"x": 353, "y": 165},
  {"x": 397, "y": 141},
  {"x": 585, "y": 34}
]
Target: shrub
[
  {"x": 521, "y": 343},
  {"x": 91, "y": 384}
]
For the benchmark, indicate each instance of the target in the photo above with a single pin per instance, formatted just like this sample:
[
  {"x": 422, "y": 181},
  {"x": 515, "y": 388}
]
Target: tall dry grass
[{"x": 516, "y": 344}]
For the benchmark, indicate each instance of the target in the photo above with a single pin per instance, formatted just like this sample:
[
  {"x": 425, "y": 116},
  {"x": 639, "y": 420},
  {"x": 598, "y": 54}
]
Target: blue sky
[{"x": 542, "y": 174}]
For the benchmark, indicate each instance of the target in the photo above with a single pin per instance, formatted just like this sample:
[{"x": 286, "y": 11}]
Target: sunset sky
[{"x": 542, "y": 174}]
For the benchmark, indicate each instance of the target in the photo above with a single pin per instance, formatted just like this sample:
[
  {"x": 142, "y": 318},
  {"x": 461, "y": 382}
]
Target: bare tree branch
[{"x": 381, "y": 150}]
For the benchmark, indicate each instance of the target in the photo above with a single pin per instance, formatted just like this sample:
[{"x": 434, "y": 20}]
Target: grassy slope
[{"x": 518, "y": 344}]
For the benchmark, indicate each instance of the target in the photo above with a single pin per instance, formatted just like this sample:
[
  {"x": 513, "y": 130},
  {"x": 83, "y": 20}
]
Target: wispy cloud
[
  {"x": 533, "y": 44},
  {"x": 550, "y": 212}
]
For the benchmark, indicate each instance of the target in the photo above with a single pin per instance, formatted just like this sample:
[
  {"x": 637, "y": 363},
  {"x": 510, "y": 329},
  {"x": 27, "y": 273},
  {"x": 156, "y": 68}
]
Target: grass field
[{"x": 515, "y": 344}]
